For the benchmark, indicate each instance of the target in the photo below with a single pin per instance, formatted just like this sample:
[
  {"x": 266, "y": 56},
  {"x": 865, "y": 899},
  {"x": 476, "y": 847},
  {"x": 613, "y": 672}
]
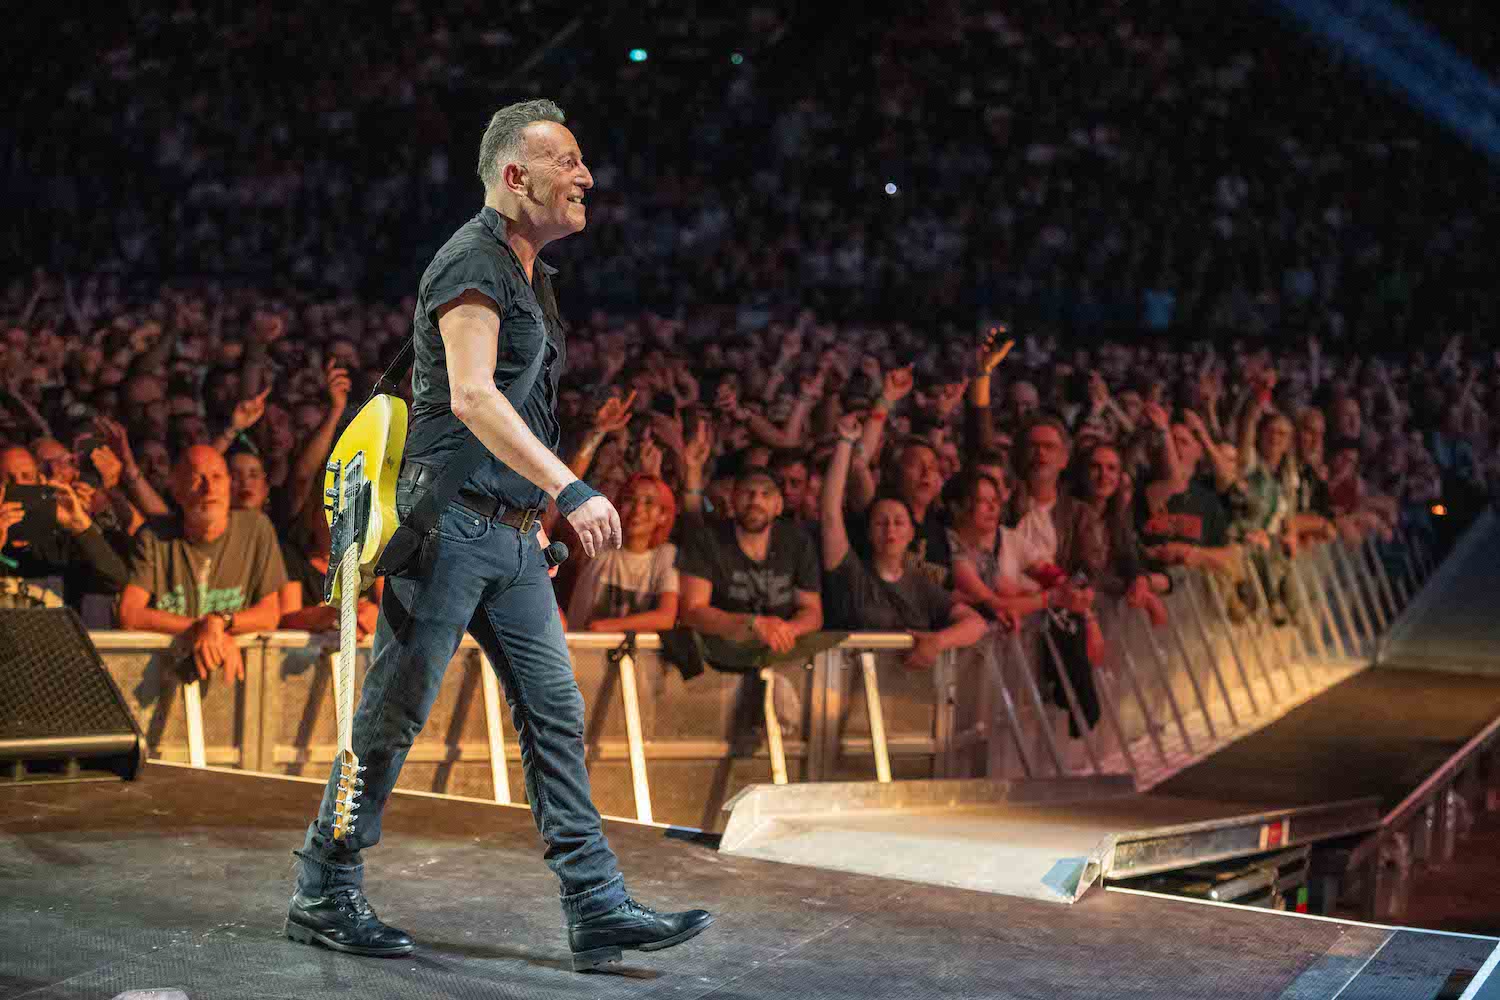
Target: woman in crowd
[
  {"x": 885, "y": 594},
  {"x": 632, "y": 588}
]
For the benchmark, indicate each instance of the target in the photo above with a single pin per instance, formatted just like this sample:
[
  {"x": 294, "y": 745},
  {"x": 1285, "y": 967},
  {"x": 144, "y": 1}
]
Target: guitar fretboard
[{"x": 344, "y": 673}]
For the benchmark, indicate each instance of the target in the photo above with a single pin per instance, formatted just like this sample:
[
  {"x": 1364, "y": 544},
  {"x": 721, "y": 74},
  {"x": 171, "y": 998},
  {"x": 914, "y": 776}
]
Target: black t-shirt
[
  {"x": 929, "y": 552},
  {"x": 1197, "y": 516},
  {"x": 859, "y": 599},
  {"x": 710, "y": 550},
  {"x": 477, "y": 257}
]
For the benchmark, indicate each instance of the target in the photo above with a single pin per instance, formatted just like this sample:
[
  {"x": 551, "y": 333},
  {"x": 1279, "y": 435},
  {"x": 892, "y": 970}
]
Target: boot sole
[
  {"x": 583, "y": 961},
  {"x": 306, "y": 935}
]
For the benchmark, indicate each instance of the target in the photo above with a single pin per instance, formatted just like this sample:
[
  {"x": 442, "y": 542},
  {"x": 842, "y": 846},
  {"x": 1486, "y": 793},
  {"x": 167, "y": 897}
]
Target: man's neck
[
  {"x": 755, "y": 544},
  {"x": 201, "y": 531},
  {"x": 1043, "y": 491},
  {"x": 525, "y": 243}
]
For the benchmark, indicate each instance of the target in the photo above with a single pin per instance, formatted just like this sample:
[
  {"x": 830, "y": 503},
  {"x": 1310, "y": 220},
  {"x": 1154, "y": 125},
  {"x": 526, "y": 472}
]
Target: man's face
[
  {"x": 17, "y": 466},
  {"x": 793, "y": 479},
  {"x": 1049, "y": 456},
  {"x": 56, "y": 461},
  {"x": 249, "y": 489},
  {"x": 556, "y": 180},
  {"x": 1104, "y": 473},
  {"x": 156, "y": 464},
  {"x": 756, "y": 504},
  {"x": 921, "y": 477},
  {"x": 1024, "y": 400},
  {"x": 200, "y": 483}
]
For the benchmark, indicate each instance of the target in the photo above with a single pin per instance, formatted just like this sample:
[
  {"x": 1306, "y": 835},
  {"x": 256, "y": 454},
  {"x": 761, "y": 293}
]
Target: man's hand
[
  {"x": 695, "y": 453},
  {"x": 108, "y": 465},
  {"x": 924, "y": 652},
  {"x": 597, "y": 524},
  {"x": 247, "y": 412},
  {"x": 208, "y": 640},
  {"x": 338, "y": 384},
  {"x": 72, "y": 516},
  {"x": 614, "y": 415},
  {"x": 117, "y": 441},
  {"x": 774, "y": 633}
]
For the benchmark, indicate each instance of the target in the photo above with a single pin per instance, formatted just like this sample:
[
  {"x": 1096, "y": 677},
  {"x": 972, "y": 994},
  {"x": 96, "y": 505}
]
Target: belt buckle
[{"x": 528, "y": 519}]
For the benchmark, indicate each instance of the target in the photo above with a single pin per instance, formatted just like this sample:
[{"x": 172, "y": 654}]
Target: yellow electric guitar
[{"x": 360, "y": 501}]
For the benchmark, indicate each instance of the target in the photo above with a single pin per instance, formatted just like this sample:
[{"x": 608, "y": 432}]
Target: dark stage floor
[{"x": 181, "y": 879}]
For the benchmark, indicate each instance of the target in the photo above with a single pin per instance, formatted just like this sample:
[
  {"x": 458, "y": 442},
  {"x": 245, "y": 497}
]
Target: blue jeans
[{"x": 489, "y": 579}]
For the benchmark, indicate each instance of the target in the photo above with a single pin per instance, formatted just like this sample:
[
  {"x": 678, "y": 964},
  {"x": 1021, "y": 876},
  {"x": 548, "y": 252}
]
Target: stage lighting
[
  {"x": 736, "y": 58},
  {"x": 890, "y": 188},
  {"x": 637, "y": 55},
  {"x": 1439, "y": 510}
]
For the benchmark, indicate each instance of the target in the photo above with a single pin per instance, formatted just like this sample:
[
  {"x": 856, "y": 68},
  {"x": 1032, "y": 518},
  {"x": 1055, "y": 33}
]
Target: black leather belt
[{"x": 416, "y": 476}]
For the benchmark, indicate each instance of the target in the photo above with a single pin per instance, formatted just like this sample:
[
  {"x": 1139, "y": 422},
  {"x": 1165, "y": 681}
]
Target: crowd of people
[
  {"x": 1248, "y": 295},
  {"x": 163, "y": 470}
]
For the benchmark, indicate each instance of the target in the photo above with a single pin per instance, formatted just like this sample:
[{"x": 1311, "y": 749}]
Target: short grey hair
[{"x": 502, "y": 138}]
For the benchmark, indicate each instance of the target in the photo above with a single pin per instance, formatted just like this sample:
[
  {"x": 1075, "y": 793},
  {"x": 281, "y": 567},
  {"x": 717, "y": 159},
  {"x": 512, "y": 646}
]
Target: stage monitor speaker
[{"x": 61, "y": 716}]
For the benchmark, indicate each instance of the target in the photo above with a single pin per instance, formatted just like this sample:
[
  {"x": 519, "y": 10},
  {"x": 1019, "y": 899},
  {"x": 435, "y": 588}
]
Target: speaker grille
[{"x": 52, "y": 682}]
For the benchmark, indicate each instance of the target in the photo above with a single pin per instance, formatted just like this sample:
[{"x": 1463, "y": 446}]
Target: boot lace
[{"x": 353, "y": 901}]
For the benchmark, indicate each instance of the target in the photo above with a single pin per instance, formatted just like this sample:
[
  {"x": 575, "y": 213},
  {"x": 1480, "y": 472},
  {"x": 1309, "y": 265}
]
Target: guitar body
[{"x": 375, "y": 439}]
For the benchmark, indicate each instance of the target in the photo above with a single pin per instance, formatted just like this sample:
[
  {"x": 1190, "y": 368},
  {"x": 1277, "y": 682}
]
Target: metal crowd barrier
[{"x": 662, "y": 748}]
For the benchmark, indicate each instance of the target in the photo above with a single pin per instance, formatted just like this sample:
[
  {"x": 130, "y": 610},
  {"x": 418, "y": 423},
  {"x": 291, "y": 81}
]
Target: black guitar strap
[{"x": 406, "y": 542}]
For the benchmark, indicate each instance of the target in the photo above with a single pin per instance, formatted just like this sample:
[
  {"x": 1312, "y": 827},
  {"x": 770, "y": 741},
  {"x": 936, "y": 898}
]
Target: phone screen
[{"x": 40, "y": 521}]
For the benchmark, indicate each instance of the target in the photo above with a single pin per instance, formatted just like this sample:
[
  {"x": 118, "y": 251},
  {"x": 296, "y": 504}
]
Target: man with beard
[
  {"x": 752, "y": 580},
  {"x": 207, "y": 575}
]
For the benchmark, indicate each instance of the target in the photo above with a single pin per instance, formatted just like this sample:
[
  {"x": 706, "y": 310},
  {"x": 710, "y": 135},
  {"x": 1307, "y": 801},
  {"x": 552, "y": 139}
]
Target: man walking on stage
[{"x": 485, "y": 308}]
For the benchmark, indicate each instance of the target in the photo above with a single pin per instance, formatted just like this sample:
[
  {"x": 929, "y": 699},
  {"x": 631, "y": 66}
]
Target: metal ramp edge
[{"x": 1051, "y": 840}]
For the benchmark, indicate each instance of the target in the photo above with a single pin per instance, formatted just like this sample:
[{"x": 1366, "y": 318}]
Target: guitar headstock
[{"x": 346, "y": 803}]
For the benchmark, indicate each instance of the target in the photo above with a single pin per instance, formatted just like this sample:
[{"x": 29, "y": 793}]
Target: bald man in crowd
[{"x": 208, "y": 573}]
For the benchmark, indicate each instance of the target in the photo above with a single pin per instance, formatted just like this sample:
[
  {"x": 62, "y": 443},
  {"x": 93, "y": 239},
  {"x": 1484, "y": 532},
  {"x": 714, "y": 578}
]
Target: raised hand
[
  {"x": 338, "y": 383},
  {"x": 615, "y": 414},
  {"x": 72, "y": 514},
  {"x": 668, "y": 430},
  {"x": 116, "y": 440},
  {"x": 949, "y": 395},
  {"x": 850, "y": 427},
  {"x": 650, "y": 456},
  {"x": 1156, "y": 416},
  {"x": 990, "y": 356},
  {"x": 247, "y": 412},
  {"x": 695, "y": 454},
  {"x": 898, "y": 384}
]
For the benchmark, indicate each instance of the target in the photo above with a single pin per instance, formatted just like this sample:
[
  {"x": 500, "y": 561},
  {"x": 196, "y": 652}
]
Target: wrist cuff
[{"x": 575, "y": 495}]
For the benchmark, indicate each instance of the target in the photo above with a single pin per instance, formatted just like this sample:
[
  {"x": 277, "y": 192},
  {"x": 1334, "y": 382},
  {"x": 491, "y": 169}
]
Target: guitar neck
[{"x": 343, "y": 671}]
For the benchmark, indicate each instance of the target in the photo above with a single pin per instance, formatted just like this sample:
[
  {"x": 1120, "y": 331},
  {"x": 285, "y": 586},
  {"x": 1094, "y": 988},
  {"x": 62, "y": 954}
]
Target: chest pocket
[{"x": 523, "y": 335}]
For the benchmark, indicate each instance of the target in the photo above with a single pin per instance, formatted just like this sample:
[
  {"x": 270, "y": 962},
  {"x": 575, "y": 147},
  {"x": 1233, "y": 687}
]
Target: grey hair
[{"x": 502, "y": 137}]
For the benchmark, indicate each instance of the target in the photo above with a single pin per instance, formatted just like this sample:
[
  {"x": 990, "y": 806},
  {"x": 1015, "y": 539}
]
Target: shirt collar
[{"x": 495, "y": 223}]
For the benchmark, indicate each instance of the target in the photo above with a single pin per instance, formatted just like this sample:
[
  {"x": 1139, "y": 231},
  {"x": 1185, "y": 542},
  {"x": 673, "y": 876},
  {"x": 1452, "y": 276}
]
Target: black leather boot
[
  {"x": 344, "y": 921},
  {"x": 599, "y": 940}
]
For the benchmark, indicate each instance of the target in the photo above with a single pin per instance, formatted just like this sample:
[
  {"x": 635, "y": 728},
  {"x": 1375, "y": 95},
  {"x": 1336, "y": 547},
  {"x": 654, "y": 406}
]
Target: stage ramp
[{"x": 1046, "y": 840}]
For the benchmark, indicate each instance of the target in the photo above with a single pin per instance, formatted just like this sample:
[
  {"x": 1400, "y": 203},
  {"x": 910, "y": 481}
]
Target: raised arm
[
  {"x": 831, "y": 522},
  {"x": 470, "y": 328},
  {"x": 314, "y": 455}
]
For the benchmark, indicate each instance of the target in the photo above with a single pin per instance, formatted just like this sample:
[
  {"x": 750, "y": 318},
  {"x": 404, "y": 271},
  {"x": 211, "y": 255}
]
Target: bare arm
[
  {"x": 470, "y": 327},
  {"x": 831, "y": 523},
  {"x": 137, "y": 617},
  {"x": 661, "y": 618},
  {"x": 809, "y": 616},
  {"x": 697, "y": 613},
  {"x": 314, "y": 456}
]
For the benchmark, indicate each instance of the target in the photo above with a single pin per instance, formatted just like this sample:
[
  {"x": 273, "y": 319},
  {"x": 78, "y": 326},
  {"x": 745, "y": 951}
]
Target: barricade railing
[{"x": 662, "y": 747}]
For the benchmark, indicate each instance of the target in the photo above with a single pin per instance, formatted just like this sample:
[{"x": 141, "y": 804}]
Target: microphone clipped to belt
[{"x": 556, "y": 554}]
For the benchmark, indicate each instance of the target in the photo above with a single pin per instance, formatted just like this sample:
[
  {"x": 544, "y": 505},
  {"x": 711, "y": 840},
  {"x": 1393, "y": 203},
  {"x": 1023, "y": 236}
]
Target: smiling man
[{"x": 489, "y": 352}]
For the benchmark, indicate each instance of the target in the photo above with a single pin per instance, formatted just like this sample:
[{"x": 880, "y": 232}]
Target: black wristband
[{"x": 575, "y": 495}]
